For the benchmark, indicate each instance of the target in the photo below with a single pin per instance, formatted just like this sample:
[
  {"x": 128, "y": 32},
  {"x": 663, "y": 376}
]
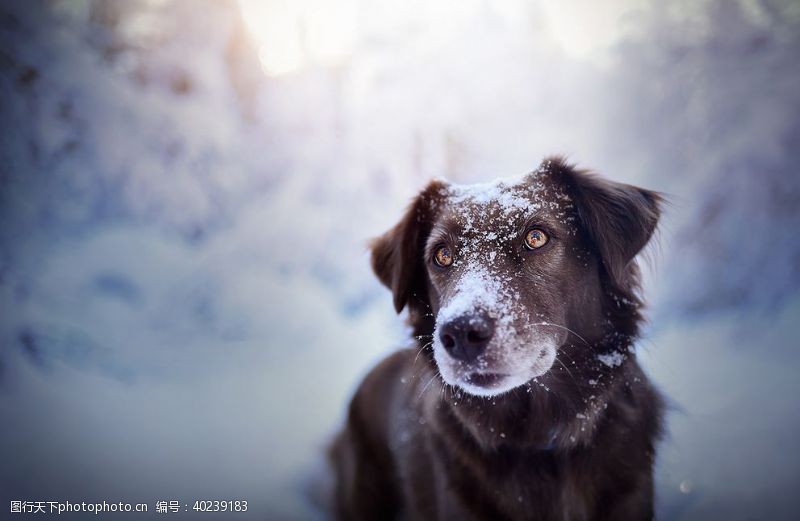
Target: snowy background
[{"x": 187, "y": 188}]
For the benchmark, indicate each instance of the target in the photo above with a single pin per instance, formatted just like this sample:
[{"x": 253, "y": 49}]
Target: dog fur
[{"x": 553, "y": 419}]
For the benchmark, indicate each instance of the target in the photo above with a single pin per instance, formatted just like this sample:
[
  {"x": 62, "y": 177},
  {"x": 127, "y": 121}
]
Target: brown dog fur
[{"x": 575, "y": 443}]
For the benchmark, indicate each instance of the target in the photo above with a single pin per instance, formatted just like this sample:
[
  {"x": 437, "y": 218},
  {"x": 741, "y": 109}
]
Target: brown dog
[{"x": 523, "y": 398}]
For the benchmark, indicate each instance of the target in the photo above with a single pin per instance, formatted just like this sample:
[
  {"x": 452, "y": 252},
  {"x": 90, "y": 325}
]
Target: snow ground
[{"x": 185, "y": 293}]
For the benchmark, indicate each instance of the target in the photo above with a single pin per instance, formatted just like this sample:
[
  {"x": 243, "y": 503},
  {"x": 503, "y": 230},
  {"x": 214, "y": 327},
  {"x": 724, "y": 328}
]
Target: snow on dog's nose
[{"x": 465, "y": 337}]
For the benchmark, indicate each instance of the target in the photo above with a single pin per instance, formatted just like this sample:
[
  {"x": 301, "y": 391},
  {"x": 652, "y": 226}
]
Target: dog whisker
[
  {"x": 565, "y": 328},
  {"x": 425, "y": 388},
  {"x": 569, "y": 356},
  {"x": 419, "y": 351},
  {"x": 575, "y": 381}
]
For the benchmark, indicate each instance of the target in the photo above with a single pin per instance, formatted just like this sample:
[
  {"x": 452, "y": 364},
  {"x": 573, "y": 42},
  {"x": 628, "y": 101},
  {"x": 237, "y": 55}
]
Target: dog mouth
[
  {"x": 487, "y": 384},
  {"x": 484, "y": 380},
  {"x": 495, "y": 379},
  {"x": 509, "y": 362}
]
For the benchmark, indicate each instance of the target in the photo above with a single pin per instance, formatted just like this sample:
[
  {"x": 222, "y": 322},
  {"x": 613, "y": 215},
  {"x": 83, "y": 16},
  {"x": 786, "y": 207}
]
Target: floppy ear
[
  {"x": 618, "y": 218},
  {"x": 397, "y": 255}
]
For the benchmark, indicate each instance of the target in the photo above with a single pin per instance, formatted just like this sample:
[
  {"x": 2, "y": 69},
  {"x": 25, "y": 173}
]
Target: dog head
[{"x": 505, "y": 275}]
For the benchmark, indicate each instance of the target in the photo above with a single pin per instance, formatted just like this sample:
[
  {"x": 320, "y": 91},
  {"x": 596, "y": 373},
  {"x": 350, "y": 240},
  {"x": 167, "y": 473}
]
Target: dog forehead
[{"x": 503, "y": 205}]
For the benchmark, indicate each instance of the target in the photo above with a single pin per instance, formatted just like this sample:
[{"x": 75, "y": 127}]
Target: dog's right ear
[
  {"x": 618, "y": 218},
  {"x": 397, "y": 255}
]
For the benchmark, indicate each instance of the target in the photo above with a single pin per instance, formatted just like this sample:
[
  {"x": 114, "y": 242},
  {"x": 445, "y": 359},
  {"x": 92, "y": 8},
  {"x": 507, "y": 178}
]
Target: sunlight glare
[{"x": 293, "y": 35}]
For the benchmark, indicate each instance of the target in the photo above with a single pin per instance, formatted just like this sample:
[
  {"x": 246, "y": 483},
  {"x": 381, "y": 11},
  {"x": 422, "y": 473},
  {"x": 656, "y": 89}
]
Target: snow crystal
[{"x": 612, "y": 359}]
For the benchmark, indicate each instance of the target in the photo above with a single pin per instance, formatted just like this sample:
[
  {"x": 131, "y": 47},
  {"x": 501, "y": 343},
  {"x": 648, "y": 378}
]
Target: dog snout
[{"x": 465, "y": 338}]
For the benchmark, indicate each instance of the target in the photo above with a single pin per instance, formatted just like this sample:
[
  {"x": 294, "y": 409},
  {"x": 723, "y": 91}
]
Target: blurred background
[{"x": 187, "y": 188}]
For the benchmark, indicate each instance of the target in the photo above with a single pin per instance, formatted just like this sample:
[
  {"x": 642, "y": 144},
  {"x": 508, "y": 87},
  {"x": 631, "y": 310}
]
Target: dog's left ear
[
  {"x": 397, "y": 255},
  {"x": 618, "y": 218}
]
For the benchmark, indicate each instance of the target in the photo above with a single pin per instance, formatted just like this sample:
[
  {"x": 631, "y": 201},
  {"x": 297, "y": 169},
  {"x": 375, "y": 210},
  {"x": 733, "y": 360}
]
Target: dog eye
[
  {"x": 443, "y": 257},
  {"x": 535, "y": 238}
]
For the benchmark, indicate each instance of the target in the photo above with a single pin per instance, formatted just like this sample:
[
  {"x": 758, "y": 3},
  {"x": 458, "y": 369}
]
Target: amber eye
[
  {"x": 443, "y": 257},
  {"x": 535, "y": 238}
]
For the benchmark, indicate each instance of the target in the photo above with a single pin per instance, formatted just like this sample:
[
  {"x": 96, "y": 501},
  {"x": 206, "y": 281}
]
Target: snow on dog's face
[
  {"x": 503, "y": 274},
  {"x": 498, "y": 257}
]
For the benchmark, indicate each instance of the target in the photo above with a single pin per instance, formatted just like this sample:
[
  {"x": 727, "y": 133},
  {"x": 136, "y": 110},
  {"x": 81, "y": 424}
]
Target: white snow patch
[
  {"x": 509, "y": 194},
  {"x": 478, "y": 289},
  {"x": 612, "y": 359}
]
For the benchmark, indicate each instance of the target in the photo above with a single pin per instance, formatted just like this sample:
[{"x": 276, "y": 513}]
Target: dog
[{"x": 521, "y": 397}]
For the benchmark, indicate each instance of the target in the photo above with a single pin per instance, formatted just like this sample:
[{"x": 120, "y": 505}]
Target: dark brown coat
[{"x": 576, "y": 443}]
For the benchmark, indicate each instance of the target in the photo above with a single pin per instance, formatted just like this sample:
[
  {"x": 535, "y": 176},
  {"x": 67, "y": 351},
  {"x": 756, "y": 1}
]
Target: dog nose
[{"x": 467, "y": 336}]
